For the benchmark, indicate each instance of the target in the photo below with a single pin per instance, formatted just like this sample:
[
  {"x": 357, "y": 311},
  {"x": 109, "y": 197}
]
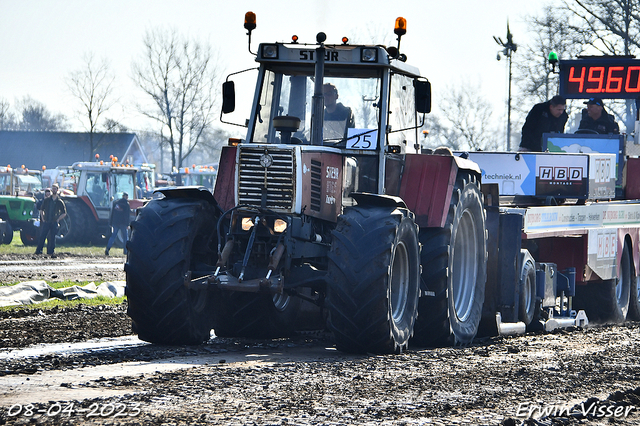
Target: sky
[{"x": 43, "y": 41}]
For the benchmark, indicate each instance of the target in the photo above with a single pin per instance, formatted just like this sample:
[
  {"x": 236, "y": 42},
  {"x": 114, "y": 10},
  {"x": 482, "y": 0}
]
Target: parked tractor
[
  {"x": 17, "y": 190},
  {"x": 94, "y": 187},
  {"x": 331, "y": 216},
  {"x": 196, "y": 175}
]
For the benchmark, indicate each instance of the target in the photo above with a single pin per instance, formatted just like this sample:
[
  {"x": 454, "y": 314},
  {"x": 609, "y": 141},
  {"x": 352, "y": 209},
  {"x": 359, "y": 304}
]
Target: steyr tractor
[{"x": 319, "y": 217}]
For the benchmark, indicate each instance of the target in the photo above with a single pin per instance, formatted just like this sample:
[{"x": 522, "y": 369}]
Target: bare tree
[
  {"x": 180, "y": 76},
  {"x": 609, "y": 27},
  {"x": 93, "y": 86},
  {"x": 35, "y": 116},
  {"x": 534, "y": 75},
  {"x": 114, "y": 126},
  {"x": 7, "y": 118},
  {"x": 465, "y": 120}
]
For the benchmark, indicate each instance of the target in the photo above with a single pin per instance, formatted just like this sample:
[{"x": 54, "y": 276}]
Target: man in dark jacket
[
  {"x": 545, "y": 117},
  {"x": 595, "y": 118},
  {"x": 120, "y": 219},
  {"x": 52, "y": 212},
  {"x": 337, "y": 117}
]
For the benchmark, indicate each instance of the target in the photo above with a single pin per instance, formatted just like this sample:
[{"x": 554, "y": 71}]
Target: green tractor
[{"x": 17, "y": 189}]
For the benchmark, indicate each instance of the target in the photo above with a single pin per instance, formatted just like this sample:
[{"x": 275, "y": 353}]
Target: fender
[
  {"x": 197, "y": 192},
  {"x": 426, "y": 185},
  {"x": 378, "y": 200}
]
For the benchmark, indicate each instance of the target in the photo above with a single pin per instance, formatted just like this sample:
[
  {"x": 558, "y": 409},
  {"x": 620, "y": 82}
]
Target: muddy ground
[
  {"x": 65, "y": 266},
  {"x": 567, "y": 377}
]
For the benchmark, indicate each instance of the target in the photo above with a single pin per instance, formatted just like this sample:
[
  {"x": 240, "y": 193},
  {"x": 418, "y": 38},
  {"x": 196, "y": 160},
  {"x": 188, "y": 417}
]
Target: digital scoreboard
[{"x": 600, "y": 77}]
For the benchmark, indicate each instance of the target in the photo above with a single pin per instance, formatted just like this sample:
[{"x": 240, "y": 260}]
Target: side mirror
[
  {"x": 423, "y": 96},
  {"x": 228, "y": 97}
]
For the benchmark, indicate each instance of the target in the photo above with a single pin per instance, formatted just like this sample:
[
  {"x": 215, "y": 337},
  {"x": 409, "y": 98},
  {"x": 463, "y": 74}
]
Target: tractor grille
[
  {"x": 274, "y": 183},
  {"x": 316, "y": 184}
]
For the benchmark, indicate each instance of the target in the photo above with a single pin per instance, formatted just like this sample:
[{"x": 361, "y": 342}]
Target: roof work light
[{"x": 401, "y": 26}]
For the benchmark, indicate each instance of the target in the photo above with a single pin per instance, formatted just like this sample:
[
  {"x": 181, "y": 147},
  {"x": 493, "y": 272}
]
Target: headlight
[
  {"x": 247, "y": 223},
  {"x": 279, "y": 226},
  {"x": 270, "y": 51},
  {"x": 369, "y": 54}
]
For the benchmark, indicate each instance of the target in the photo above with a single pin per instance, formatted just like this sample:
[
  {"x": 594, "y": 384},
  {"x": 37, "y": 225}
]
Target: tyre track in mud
[{"x": 304, "y": 380}]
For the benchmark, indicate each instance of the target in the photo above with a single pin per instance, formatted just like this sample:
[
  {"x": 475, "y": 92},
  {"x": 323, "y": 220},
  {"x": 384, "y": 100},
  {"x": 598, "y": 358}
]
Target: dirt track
[
  {"x": 65, "y": 266},
  {"x": 303, "y": 380}
]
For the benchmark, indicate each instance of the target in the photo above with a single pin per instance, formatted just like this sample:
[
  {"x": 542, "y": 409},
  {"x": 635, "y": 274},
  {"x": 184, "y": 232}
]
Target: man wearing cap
[
  {"x": 545, "y": 117},
  {"x": 120, "y": 219},
  {"x": 52, "y": 212},
  {"x": 595, "y": 118}
]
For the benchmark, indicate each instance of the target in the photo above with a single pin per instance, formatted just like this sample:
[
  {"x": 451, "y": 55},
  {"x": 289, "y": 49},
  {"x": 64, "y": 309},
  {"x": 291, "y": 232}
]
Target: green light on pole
[{"x": 553, "y": 60}]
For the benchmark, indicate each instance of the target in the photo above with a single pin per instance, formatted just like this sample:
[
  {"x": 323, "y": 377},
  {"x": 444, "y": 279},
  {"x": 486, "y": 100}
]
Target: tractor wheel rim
[
  {"x": 465, "y": 269},
  {"x": 399, "y": 282}
]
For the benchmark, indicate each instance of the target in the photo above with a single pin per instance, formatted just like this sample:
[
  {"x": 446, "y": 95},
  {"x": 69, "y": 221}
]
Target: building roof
[{"x": 52, "y": 149}]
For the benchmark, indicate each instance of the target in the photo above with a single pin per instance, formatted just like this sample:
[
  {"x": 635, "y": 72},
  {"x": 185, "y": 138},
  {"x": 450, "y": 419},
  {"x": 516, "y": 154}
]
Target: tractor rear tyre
[
  {"x": 374, "y": 279},
  {"x": 528, "y": 305},
  {"x": 73, "y": 228},
  {"x": 169, "y": 238},
  {"x": 634, "y": 296},
  {"x": 608, "y": 301},
  {"x": 454, "y": 270}
]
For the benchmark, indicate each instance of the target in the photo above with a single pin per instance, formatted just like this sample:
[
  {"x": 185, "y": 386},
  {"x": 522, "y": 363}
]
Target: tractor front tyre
[
  {"x": 29, "y": 234},
  {"x": 454, "y": 270},
  {"x": 8, "y": 235},
  {"x": 169, "y": 238},
  {"x": 373, "y": 279}
]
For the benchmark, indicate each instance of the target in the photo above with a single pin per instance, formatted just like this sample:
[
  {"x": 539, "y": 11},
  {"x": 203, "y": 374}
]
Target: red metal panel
[
  {"x": 566, "y": 252},
  {"x": 224, "y": 191},
  {"x": 426, "y": 187},
  {"x": 632, "y": 179},
  {"x": 328, "y": 169}
]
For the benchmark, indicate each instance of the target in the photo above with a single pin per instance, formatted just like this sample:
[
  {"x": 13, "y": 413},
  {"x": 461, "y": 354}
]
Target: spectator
[
  {"x": 120, "y": 218},
  {"x": 595, "y": 118},
  {"x": 52, "y": 212},
  {"x": 47, "y": 194},
  {"x": 545, "y": 117}
]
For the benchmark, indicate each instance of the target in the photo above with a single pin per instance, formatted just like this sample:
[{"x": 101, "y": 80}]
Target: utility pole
[{"x": 508, "y": 49}]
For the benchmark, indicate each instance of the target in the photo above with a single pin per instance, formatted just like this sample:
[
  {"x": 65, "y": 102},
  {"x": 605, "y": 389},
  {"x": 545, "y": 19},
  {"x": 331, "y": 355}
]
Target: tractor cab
[{"x": 362, "y": 102}]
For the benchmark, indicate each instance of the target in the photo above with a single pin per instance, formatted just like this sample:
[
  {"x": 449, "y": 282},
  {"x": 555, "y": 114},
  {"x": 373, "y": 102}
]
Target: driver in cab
[
  {"x": 337, "y": 117},
  {"x": 597, "y": 119}
]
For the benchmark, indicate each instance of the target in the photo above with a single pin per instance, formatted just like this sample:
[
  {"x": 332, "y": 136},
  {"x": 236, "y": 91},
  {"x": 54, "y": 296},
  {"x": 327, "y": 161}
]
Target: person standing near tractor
[
  {"x": 120, "y": 219},
  {"x": 52, "y": 212}
]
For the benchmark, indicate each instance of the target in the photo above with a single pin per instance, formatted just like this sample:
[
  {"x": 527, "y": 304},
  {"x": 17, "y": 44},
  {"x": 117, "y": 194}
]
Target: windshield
[
  {"x": 351, "y": 108},
  {"x": 124, "y": 183},
  {"x": 29, "y": 183}
]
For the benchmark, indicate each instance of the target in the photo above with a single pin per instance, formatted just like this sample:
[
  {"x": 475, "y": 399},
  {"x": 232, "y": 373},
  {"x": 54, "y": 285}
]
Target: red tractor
[{"x": 318, "y": 209}]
